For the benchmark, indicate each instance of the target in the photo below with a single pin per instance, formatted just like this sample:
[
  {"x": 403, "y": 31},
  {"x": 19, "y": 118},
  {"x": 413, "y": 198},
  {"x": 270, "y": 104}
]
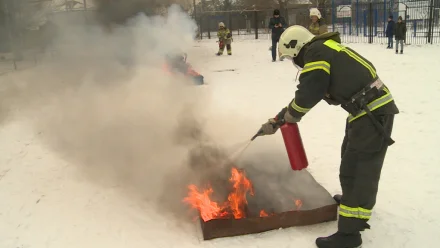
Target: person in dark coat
[
  {"x": 390, "y": 32},
  {"x": 277, "y": 24},
  {"x": 400, "y": 34}
]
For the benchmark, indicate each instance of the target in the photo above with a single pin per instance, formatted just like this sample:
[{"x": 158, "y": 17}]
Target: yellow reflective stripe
[
  {"x": 298, "y": 108},
  {"x": 338, "y": 47},
  {"x": 316, "y": 65},
  {"x": 374, "y": 105},
  {"x": 359, "y": 213}
]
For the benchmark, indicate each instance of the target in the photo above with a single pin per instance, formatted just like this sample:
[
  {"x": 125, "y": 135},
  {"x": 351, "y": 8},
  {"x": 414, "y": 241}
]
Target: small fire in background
[{"x": 234, "y": 207}]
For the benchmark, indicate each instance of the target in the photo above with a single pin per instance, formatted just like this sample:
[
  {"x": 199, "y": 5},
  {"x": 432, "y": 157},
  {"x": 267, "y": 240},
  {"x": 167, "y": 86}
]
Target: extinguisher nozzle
[{"x": 257, "y": 134}]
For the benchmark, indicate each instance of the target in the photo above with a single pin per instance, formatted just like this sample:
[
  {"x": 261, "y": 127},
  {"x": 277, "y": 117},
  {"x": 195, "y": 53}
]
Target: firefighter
[
  {"x": 224, "y": 38},
  {"x": 318, "y": 25},
  {"x": 340, "y": 76}
]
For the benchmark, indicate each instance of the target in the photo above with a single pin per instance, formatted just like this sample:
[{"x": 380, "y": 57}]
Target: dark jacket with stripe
[{"x": 334, "y": 73}]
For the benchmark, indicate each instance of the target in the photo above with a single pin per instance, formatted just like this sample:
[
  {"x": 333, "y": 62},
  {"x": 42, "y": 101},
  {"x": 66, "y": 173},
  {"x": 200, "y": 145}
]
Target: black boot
[
  {"x": 340, "y": 240},
  {"x": 401, "y": 51},
  {"x": 396, "y": 51},
  {"x": 337, "y": 198}
]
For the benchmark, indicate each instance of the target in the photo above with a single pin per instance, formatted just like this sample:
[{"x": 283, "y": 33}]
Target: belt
[{"x": 367, "y": 100}]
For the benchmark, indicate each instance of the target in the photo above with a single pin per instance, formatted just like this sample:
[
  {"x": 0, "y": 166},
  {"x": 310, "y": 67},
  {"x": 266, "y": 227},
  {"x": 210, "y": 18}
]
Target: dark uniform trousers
[{"x": 363, "y": 154}]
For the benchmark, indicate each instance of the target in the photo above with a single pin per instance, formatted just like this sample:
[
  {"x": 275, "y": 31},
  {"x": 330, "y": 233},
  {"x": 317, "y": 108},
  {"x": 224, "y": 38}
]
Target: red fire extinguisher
[{"x": 294, "y": 146}]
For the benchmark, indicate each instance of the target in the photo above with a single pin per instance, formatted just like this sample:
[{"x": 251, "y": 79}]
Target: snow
[{"x": 46, "y": 202}]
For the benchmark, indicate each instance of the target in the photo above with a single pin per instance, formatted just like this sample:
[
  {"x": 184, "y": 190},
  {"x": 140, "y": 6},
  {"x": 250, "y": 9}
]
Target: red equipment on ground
[
  {"x": 176, "y": 63},
  {"x": 294, "y": 146}
]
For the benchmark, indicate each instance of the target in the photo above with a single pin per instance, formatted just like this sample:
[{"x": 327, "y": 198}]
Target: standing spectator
[
  {"x": 400, "y": 34},
  {"x": 277, "y": 23},
  {"x": 390, "y": 32},
  {"x": 318, "y": 25}
]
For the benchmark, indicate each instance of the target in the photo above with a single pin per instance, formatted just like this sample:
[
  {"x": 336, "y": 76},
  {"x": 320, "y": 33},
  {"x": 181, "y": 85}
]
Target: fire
[
  {"x": 263, "y": 213},
  {"x": 237, "y": 198},
  {"x": 234, "y": 207},
  {"x": 201, "y": 201},
  {"x": 298, "y": 204}
]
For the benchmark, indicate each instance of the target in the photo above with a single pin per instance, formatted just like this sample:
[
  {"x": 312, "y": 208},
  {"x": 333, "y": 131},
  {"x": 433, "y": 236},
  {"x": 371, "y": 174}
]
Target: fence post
[
  {"x": 349, "y": 26},
  {"x": 384, "y": 16},
  {"x": 406, "y": 24},
  {"x": 333, "y": 15},
  {"x": 357, "y": 17},
  {"x": 230, "y": 20},
  {"x": 209, "y": 27},
  {"x": 375, "y": 21},
  {"x": 365, "y": 22},
  {"x": 11, "y": 38},
  {"x": 430, "y": 20},
  {"x": 256, "y": 24},
  {"x": 370, "y": 23},
  {"x": 415, "y": 28},
  {"x": 343, "y": 25}
]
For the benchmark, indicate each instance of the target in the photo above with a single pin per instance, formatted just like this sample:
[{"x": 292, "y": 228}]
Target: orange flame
[
  {"x": 237, "y": 198},
  {"x": 235, "y": 205},
  {"x": 200, "y": 200}
]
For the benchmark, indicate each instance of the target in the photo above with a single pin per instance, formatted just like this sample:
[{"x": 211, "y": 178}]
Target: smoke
[{"x": 102, "y": 101}]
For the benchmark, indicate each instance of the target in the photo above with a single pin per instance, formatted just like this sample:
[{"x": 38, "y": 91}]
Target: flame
[
  {"x": 298, "y": 204},
  {"x": 200, "y": 200},
  {"x": 234, "y": 207},
  {"x": 237, "y": 198},
  {"x": 263, "y": 213}
]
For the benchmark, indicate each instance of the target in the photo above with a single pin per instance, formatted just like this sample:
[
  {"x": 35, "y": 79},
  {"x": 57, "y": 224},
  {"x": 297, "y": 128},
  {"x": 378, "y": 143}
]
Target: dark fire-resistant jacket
[{"x": 335, "y": 73}]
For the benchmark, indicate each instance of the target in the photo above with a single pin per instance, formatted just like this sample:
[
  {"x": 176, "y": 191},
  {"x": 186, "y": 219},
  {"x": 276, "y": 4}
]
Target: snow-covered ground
[{"x": 45, "y": 202}]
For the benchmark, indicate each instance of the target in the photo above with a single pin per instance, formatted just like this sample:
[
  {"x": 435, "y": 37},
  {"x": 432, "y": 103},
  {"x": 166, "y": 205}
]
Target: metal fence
[
  {"x": 27, "y": 27},
  {"x": 355, "y": 20}
]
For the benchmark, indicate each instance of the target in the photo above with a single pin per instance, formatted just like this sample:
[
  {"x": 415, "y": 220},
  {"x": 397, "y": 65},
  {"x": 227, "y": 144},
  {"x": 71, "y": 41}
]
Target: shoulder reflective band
[
  {"x": 359, "y": 213},
  {"x": 341, "y": 48},
  {"x": 374, "y": 105},
  {"x": 315, "y": 66},
  {"x": 298, "y": 108}
]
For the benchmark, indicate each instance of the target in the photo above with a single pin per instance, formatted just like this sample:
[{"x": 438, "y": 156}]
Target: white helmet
[
  {"x": 293, "y": 40},
  {"x": 315, "y": 12},
  {"x": 221, "y": 25}
]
